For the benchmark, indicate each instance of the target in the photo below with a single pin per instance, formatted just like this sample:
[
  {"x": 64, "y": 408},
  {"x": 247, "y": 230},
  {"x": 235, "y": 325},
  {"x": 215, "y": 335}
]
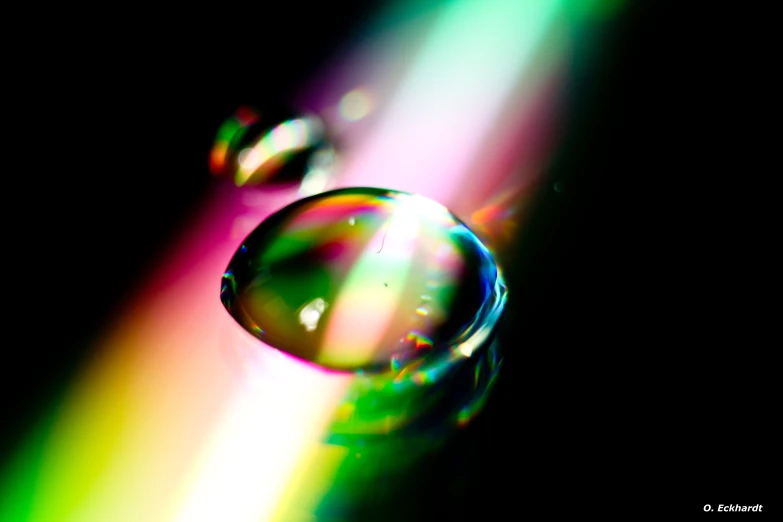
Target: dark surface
[{"x": 637, "y": 375}]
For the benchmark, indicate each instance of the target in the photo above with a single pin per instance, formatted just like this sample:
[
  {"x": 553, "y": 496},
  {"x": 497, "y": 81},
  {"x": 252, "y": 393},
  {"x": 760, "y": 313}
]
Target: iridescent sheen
[{"x": 389, "y": 285}]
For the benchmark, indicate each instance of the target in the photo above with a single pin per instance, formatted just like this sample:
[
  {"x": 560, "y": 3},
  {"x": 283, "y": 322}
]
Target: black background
[{"x": 638, "y": 371}]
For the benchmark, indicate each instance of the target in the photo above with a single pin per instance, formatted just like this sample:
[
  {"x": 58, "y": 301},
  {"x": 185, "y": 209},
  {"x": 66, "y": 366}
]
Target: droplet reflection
[
  {"x": 311, "y": 313},
  {"x": 388, "y": 285}
]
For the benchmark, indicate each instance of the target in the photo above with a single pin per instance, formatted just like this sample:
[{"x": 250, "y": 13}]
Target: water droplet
[
  {"x": 355, "y": 104},
  {"x": 273, "y": 147},
  {"x": 386, "y": 284}
]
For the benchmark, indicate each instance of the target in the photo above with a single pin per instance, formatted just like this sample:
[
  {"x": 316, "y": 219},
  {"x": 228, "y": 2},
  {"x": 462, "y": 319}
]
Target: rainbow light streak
[
  {"x": 357, "y": 325},
  {"x": 128, "y": 441},
  {"x": 247, "y": 463},
  {"x": 182, "y": 415},
  {"x": 465, "y": 70}
]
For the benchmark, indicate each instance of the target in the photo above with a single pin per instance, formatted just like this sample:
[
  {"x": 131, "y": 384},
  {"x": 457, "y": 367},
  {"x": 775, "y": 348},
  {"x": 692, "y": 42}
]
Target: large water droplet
[
  {"x": 273, "y": 148},
  {"x": 386, "y": 284}
]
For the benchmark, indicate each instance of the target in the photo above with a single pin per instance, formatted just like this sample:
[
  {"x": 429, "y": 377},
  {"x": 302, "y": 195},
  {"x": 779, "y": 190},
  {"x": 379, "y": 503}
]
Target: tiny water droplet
[
  {"x": 355, "y": 105},
  {"x": 274, "y": 147}
]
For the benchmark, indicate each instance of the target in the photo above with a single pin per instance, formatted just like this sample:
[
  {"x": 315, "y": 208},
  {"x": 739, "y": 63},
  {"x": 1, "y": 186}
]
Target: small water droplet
[
  {"x": 559, "y": 187},
  {"x": 355, "y": 104},
  {"x": 307, "y": 284},
  {"x": 255, "y": 147}
]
